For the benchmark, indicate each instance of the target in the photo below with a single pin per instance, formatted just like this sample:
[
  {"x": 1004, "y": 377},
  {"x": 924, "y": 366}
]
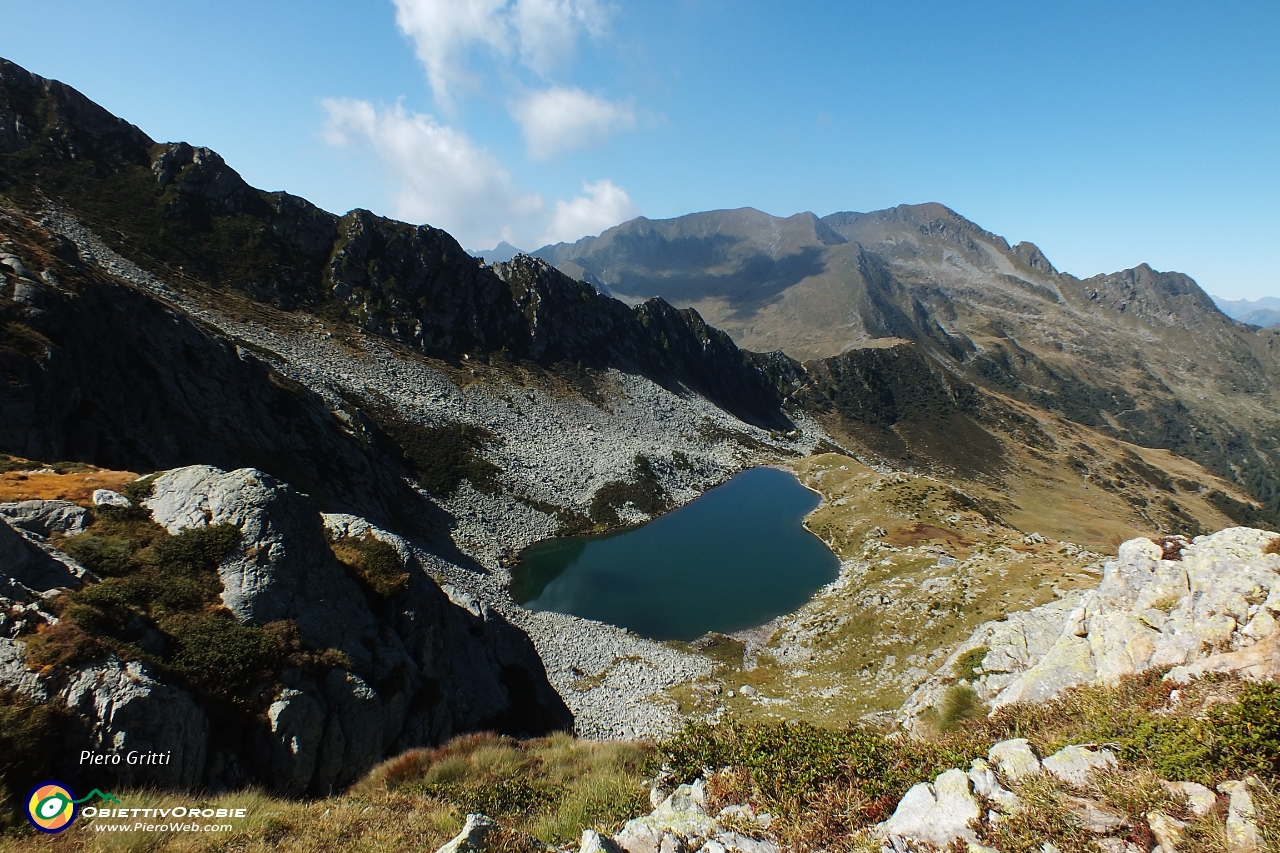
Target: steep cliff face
[
  {"x": 184, "y": 212},
  {"x": 95, "y": 370}
]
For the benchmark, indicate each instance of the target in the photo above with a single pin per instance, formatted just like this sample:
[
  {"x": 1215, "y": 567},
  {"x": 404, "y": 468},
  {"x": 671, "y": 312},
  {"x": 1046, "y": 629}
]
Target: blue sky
[{"x": 1109, "y": 134}]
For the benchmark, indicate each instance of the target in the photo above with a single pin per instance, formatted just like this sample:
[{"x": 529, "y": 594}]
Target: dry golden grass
[
  {"x": 1272, "y": 547},
  {"x": 548, "y": 789},
  {"x": 75, "y": 483}
]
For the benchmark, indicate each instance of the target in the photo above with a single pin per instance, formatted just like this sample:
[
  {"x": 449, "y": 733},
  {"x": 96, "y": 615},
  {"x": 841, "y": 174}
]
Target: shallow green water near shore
[{"x": 734, "y": 558}]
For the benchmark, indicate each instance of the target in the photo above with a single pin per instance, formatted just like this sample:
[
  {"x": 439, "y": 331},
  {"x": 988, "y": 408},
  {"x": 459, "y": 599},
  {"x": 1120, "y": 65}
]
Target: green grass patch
[
  {"x": 440, "y": 457},
  {"x": 968, "y": 664},
  {"x": 375, "y": 565}
]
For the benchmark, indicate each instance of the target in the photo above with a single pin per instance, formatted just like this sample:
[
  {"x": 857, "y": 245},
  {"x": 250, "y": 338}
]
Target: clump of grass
[
  {"x": 1045, "y": 818},
  {"x": 549, "y": 788},
  {"x": 375, "y": 564},
  {"x": 1272, "y": 547},
  {"x": 967, "y": 665}
]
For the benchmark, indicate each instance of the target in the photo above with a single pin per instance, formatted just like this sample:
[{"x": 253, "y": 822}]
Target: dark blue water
[{"x": 734, "y": 558}]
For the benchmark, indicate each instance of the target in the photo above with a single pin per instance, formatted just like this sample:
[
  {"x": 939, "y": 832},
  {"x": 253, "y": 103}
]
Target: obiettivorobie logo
[{"x": 51, "y": 807}]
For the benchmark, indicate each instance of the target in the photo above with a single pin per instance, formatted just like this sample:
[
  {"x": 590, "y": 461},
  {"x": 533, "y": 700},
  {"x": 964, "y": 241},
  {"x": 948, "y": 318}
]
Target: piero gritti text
[{"x": 133, "y": 757}]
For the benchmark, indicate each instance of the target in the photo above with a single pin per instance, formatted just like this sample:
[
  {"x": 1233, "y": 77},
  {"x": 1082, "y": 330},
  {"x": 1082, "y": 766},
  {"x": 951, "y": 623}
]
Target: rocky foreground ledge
[
  {"x": 332, "y": 665},
  {"x": 1207, "y": 605}
]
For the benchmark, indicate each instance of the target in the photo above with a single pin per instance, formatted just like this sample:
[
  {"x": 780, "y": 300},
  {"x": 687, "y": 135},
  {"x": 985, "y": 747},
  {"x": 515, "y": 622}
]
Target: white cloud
[
  {"x": 604, "y": 205},
  {"x": 557, "y": 119},
  {"x": 441, "y": 176},
  {"x": 548, "y": 29},
  {"x": 445, "y": 31}
]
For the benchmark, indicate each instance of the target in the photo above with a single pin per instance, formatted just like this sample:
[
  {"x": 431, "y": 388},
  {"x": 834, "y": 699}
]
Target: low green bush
[{"x": 219, "y": 655}]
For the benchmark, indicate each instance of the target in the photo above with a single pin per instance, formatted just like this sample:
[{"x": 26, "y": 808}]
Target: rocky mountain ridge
[{"x": 1142, "y": 355}]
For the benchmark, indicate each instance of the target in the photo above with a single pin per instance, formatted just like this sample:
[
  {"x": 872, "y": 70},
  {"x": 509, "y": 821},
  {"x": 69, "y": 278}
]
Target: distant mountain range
[
  {"x": 1143, "y": 354},
  {"x": 499, "y": 254},
  {"x": 1262, "y": 312}
]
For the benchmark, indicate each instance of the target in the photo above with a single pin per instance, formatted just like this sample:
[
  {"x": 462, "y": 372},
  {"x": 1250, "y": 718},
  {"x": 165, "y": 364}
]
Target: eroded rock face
[
  {"x": 1215, "y": 606},
  {"x": 30, "y": 569},
  {"x": 412, "y": 668}
]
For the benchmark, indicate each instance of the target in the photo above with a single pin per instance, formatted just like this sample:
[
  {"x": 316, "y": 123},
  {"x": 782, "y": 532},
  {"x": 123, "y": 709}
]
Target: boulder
[
  {"x": 126, "y": 710},
  {"x": 987, "y": 786},
  {"x": 106, "y": 497},
  {"x": 1075, "y": 764},
  {"x": 44, "y": 518},
  {"x": 1199, "y": 799},
  {"x": 1214, "y": 606},
  {"x": 1242, "y": 827},
  {"x": 594, "y": 842},
  {"x": 1167, "y": 831},
  {"x": 30, "y": 570},
  {"x": 474, "y": 836},
  {"x": 421, "y": 668},
  {"x": 282, "y": 567},
  {"x": 1014, "y": 759},
  {"x": 937, "y": 814}
]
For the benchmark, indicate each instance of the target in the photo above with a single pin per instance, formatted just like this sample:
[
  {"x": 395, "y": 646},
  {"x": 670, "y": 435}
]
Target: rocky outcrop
[
  {"x": 406, "y": 669},
  {"x": 1208, "y": 605},
  {"x": 681, "y": 822},
  {"x": 959, "y": 807},
  {"x": 29, "y": 568}
]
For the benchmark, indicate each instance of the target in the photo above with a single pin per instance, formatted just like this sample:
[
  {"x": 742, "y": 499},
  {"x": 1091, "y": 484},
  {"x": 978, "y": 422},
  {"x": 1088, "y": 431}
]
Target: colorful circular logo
[{"x": 51, "y": 807}]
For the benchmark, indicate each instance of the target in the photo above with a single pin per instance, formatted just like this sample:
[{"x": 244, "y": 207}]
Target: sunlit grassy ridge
[{"x": 546, "y": 790}]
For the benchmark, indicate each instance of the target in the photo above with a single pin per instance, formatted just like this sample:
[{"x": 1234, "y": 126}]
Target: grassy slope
[{"x": 1020, "y": 539}]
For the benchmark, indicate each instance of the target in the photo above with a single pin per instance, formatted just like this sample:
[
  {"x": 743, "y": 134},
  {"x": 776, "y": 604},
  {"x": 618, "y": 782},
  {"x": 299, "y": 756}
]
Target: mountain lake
[{"x": 734, "y": 558}]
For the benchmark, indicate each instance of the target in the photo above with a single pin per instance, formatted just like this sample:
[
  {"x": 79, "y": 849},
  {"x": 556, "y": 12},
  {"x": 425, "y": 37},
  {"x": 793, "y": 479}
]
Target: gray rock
[
  {"x": 1242, "y": 827},
  {"x": 126, "y": 710},
  {"x": 594, "y": 842},
  {"x": 282, "y": 567},
  {"x": 14, "y": 674},
  {"x": 1199, "y": 799},
  {"x": 937, "y": 814},
  {"x": 1014, "y": 759},
  {"x": 474, "y": 836},
  {"x": 745, "y": 844},
  {"x": 46, "y": 517},
  {"x": 29, "y": 570},
  {"x": 683, "y": 814},
  {"x": 1118, "y": 845},
  {"x": 1196, "y": 614},
  {"x": 987, "y": 785},
  {"x": 14, "y": 263},
  {"x": 297, "y": 727},
  {"x": 106, "y": 497},
  {"x": 1167, "y": 830},
  {"x": 1075, "y": 764},
  {"x": 1094, "y": 816}
]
